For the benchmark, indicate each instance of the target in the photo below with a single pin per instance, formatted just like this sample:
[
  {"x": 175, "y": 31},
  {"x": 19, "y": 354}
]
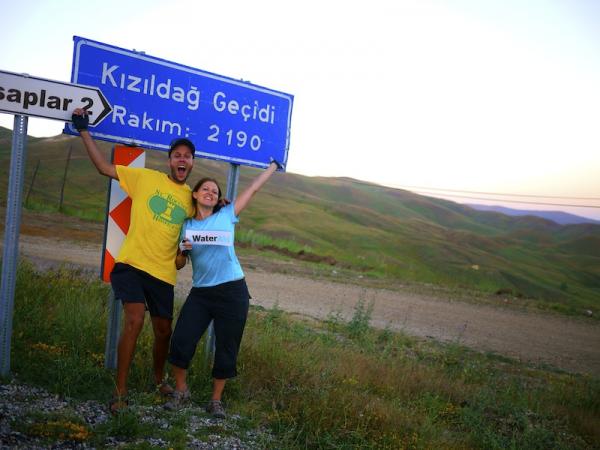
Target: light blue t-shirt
[{"x": 213, "y": 256}]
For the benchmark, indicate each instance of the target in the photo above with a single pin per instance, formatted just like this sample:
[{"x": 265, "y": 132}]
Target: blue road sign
[{"x": 155, "y": 101}]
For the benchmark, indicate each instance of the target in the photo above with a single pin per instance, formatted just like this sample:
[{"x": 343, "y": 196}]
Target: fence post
[
  {"x": 64, "y": 180},
  {"x": 37, "y": 166}
]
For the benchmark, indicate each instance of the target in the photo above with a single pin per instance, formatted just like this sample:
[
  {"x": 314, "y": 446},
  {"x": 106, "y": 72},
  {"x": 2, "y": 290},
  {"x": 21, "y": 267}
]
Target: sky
[{"x": 459, "y": 98}]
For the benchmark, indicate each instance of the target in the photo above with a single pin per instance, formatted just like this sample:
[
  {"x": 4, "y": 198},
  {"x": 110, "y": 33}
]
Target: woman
[{"x": 219, "y": 290}]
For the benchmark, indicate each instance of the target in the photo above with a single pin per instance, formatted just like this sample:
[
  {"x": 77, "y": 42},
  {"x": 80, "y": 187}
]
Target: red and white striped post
[{"x": 115, "y": 229}]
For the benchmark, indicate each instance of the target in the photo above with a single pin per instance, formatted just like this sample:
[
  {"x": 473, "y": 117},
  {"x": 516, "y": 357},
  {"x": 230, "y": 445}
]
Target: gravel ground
[{"x": 28, "y": 415}]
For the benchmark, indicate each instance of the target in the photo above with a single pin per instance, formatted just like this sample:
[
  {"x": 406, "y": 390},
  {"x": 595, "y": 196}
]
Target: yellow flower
[
  {"x": 50, "y": 349},
  {"x": 63, "y": 430}
]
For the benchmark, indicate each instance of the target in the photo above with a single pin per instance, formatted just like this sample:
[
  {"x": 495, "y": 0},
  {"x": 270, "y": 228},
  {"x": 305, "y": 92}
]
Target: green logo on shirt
[{"x": 166, "y": 209}]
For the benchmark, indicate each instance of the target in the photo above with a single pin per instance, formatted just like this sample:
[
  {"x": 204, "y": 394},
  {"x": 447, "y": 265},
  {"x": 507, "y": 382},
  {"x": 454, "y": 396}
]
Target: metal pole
[
  {"x": 11, "y": 239},
  {"x": 113, "y": 329},
  {"x": 232, "y": 185},
  {"x": 232, "y": 181},
  {"x": 114, "y": 311}
]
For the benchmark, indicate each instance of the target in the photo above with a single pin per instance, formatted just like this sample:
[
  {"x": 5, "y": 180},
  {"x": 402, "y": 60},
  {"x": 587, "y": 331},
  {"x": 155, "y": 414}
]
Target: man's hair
[{"x": 182, "y": 141}]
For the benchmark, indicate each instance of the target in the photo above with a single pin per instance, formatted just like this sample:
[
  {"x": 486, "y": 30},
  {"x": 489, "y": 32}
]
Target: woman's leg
[
  {"x": 181, "y": 395},
  {"x": 191, "y": 324},
  {"x": 229, "y": 321},
  {"x": 180, "y": 376},
  {"x": 218, "y": 386}
]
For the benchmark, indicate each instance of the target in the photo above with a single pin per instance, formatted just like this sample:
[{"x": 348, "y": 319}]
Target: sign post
[
  {"x": 11, "y": 239},
  {"x": 39, "y": 97},
  {"x": 24, "y": 95},
  {"x": 155, "y": 101},
  {"x": 233, "y": 177}
]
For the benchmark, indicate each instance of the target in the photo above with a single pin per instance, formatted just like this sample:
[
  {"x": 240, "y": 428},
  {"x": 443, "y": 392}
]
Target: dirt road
[{"x": 570, "y": 344}]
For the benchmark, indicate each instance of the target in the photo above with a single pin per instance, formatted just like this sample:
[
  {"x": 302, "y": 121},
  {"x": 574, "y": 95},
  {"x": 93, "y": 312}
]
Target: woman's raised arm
[{"x": 244, "y": 198}]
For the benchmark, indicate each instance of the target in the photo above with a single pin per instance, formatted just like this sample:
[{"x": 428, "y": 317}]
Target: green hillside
[{"x": 379, "y": 231}]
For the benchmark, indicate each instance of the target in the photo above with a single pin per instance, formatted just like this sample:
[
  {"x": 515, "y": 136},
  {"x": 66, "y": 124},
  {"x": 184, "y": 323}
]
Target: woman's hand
[
  {"x": 185, "y": 246},
  {"x": 277, "y": 163}
]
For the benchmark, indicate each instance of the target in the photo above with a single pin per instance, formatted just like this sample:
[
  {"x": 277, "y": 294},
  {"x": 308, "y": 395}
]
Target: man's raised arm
[{"x": 81, "y": 122}]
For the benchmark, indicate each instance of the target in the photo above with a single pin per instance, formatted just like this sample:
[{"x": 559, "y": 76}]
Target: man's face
[{"x": 181, "y": 162}]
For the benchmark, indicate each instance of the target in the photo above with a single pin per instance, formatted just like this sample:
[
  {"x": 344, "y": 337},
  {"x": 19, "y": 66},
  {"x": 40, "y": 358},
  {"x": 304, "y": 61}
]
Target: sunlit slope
[
  {"x": 374, "y": 229},
  {"x": 420, "y": 238}
]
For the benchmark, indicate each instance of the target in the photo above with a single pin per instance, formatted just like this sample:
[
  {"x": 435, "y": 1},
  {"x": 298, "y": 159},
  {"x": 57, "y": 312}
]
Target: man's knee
[
  {"x": 162, "y": 329},
  {"x": 163, "y": 334},
  {"x": 134, "y": 319}
]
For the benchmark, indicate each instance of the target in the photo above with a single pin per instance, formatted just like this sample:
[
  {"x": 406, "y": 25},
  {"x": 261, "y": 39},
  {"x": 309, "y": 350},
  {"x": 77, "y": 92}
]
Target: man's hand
[
  {"x": 80, "y": 119},
  {"x": 224, "y": 202}
]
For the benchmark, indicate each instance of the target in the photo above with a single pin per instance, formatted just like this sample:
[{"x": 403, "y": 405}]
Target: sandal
[
  {"x": 179, "y": 400},
  {"x": 118, "y": 404},
  {"x": 215, "y": 409}
]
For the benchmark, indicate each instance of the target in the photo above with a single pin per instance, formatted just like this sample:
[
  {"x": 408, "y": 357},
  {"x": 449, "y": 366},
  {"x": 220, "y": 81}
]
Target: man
[{"x": 144, "y": 274}]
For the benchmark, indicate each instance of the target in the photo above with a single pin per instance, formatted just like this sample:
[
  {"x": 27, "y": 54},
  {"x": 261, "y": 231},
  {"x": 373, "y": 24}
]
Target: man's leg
[
  {"x": 162, "y": 337},
  {"x": 133, "y": 323}
]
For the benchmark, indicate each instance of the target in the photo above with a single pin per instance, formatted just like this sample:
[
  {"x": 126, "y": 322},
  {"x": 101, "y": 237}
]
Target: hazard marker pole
[{"x": 115, "y": 229}]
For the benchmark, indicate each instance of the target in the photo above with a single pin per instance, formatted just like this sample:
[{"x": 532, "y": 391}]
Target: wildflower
[
  {"x": 63, "y": 430},
  {"x": 50, "y": 349}
]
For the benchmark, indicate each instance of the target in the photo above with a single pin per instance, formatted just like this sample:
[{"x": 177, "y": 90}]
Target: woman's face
[{"x": 207, "y": 194}]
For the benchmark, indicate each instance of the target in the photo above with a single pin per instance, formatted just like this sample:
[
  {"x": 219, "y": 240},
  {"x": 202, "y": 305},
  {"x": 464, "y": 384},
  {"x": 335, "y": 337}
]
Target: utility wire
[
  {"x": 424, "y": 190},
  {"x": 508, "y": 201},
  {"x": 497, "y": 193}
]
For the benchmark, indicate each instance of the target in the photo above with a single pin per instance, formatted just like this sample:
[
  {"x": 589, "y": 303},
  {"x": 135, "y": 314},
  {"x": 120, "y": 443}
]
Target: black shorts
[
  {"x": 226, "y": 304},
  {"x": 132, "y": 285}
]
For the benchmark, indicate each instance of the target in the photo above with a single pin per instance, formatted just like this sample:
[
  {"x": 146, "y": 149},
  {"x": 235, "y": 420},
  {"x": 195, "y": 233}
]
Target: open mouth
[{"x": 181, "y": 170}]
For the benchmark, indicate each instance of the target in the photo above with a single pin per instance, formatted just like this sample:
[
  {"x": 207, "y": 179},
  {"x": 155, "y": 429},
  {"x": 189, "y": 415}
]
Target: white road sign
[{"x": 32, "y": 96}]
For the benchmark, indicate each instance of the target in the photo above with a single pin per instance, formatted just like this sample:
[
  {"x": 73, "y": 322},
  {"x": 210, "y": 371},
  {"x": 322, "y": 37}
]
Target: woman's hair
[{"x": 198, "y": 185}]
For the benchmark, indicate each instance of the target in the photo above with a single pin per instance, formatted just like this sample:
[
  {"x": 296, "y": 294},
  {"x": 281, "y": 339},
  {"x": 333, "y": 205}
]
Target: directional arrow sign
[
  {"x": 31, "y": 96},
  {"x": 155, "y": 101}
]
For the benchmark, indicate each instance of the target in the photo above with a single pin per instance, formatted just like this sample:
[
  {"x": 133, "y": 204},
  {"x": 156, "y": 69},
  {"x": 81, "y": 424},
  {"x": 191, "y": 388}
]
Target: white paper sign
[{"x": 207, "y": 237}]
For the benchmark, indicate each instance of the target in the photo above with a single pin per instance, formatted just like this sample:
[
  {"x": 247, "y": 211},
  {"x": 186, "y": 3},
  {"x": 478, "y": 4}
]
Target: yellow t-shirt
[{"x": 158, "y": 208}]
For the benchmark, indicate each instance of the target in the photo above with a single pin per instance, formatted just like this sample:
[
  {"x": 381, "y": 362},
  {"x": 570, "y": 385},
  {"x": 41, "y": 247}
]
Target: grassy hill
[{"x": 379, "y": 231}]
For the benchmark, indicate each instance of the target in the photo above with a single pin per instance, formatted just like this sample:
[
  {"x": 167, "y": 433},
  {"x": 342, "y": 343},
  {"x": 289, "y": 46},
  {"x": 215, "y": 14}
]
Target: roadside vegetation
[
  {"x": 378, "y": 232},
  {"x": 330, "y": 385}
]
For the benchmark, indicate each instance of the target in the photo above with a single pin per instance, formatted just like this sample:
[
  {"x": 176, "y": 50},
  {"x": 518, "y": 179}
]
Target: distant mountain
[
  {"x": 381, "y": 231},
  {"x": 559, "y": 217}
]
